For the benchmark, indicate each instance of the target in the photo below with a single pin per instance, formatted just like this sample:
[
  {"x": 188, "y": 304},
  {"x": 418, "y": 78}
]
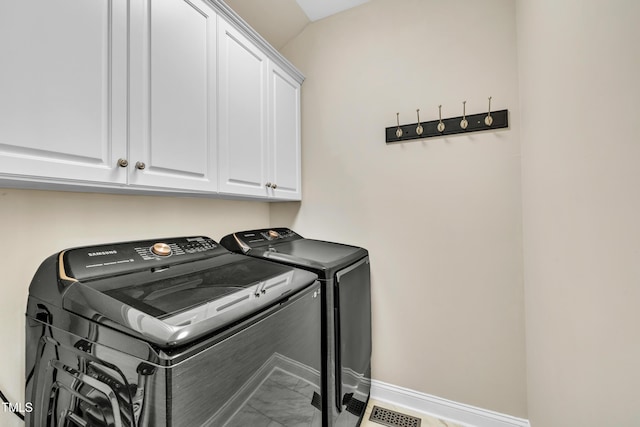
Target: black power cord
[{"x": 10, "y": 406}]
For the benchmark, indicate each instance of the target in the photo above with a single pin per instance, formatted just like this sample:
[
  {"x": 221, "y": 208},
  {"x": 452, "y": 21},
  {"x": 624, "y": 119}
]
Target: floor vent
[{"x": 392, "y": 418}]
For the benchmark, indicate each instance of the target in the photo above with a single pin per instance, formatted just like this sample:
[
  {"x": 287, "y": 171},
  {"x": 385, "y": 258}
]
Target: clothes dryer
[{"x": 344, "y": 274}]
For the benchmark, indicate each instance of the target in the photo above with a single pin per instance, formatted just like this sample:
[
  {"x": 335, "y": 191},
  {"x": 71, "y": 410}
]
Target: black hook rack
[{"x": 476, "y": 123}]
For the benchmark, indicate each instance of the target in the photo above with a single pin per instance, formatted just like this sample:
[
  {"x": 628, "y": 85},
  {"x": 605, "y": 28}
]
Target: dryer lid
[
  {"x": 286, "y": 246},
  {"x": 325, "y": 253},
  {"x": 323, "y": 258}
]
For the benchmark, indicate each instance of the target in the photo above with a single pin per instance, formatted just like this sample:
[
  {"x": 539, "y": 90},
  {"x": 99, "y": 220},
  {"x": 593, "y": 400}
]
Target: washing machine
[
  {"x": 175, "y": 332},
  {"x": 344, "y": 274}
]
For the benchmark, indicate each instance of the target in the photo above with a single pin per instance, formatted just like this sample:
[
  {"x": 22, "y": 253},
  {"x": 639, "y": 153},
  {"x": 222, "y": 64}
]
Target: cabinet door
[
  {"x": 284, "y": 135},
  {"x": 242, "y": 114},
  {"x": 63, "y": 89},
  {"x": 173, "y": 92}
]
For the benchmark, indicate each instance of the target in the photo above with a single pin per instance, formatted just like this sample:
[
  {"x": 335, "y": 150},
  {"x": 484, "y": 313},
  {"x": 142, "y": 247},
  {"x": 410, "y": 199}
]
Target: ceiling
[
  {"x": 278, "y": 21},
  {"x": 318, "y": 9}
]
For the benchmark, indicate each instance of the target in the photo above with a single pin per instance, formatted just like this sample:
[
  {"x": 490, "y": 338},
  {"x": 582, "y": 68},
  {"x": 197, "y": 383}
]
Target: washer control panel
[
  {"x": 162, "y": 249},
  {"x": 119, "y": 258}
]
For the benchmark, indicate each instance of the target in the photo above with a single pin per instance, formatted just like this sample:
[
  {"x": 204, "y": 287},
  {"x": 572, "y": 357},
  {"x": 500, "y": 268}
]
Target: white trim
[
  {"x": 234, "y": 19},
  {"x": 449, "y": 410}
]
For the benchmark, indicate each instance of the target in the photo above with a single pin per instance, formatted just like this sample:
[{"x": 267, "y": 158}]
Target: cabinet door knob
[
  {"x": 123, "y": 163},
  {"x": 274, "y": 186},
  {"x": 268, "y": 185},
  {"x": 140, "y": 165}
]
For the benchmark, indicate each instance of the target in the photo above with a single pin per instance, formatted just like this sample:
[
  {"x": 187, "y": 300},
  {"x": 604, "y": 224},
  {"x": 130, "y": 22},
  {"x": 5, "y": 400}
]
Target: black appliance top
[
  {"x": 169, "y": 292},
  {"x": 285, "y": 246}
]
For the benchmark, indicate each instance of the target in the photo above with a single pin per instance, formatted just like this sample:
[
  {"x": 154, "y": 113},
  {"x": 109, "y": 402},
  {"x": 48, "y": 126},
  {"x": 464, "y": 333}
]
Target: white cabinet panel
[
  {"x": 173, "y": 93},
  {"x": 242, "y": 114},
  {"x": 153, "y": 95},
  {"x": 63, "y": 89},
  {"x": 284, "y": 135}
]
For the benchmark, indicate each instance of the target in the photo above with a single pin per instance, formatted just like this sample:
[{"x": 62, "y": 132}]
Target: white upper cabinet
[
  {"x": 284, "y": 135},
  {"x": 242, "y": 110},
  {"x": 173, "y": 95},
  {"x": 63, "y": 89},
  {"x": 259, "y": 121},
  {"x": 155, "y": 96}
]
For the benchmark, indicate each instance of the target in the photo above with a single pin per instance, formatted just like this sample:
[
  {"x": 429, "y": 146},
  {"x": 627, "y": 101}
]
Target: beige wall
[
  {"x": 579, "y": 66},
  {"x": 441, "y": 217},
  {"x": 36, "y": 224},
  {"x": 261, "y": 15}
]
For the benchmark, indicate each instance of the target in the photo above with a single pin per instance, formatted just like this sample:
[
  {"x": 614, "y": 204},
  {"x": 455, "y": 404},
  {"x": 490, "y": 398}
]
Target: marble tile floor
[
  {"x": 427, "y": 420},
  {"x": 284, "y": 400}
]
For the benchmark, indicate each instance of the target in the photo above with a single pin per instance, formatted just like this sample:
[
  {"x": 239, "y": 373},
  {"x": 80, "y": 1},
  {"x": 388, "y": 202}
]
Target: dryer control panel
[{"x": 246, "y": 240}]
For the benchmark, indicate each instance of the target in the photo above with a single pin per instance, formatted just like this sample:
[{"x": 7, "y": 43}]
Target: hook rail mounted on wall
[{"x": 451, "y": 126}]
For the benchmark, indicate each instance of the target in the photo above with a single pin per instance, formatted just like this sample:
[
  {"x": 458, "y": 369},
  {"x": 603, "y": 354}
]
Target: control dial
[
  {"x": 161, "y": 249},
  {"x": 273, "y": 234}
]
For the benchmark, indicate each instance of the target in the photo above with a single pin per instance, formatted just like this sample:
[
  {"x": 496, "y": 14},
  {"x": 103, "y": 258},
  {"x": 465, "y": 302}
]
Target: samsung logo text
[{"x": 102, "y": 253}]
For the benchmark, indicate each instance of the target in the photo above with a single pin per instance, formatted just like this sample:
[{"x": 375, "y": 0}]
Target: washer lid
[
  {"x": 227, "y": 284},
  {"x": 172, "y": 306}
]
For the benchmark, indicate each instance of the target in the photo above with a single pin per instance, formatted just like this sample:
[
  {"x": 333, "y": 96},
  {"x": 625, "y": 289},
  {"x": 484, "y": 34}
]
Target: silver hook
[
  {"x": 464, "y": 123},
  {"x": 398, "y": 131},
  {"x": 440, "y": 124},
  {"x": 419, "y": 129},
  {"x": 488, "y": 120}
]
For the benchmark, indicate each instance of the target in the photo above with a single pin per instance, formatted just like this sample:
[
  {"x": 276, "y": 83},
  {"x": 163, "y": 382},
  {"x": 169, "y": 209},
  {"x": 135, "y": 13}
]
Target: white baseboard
[{"x": 459, "y": 413}]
